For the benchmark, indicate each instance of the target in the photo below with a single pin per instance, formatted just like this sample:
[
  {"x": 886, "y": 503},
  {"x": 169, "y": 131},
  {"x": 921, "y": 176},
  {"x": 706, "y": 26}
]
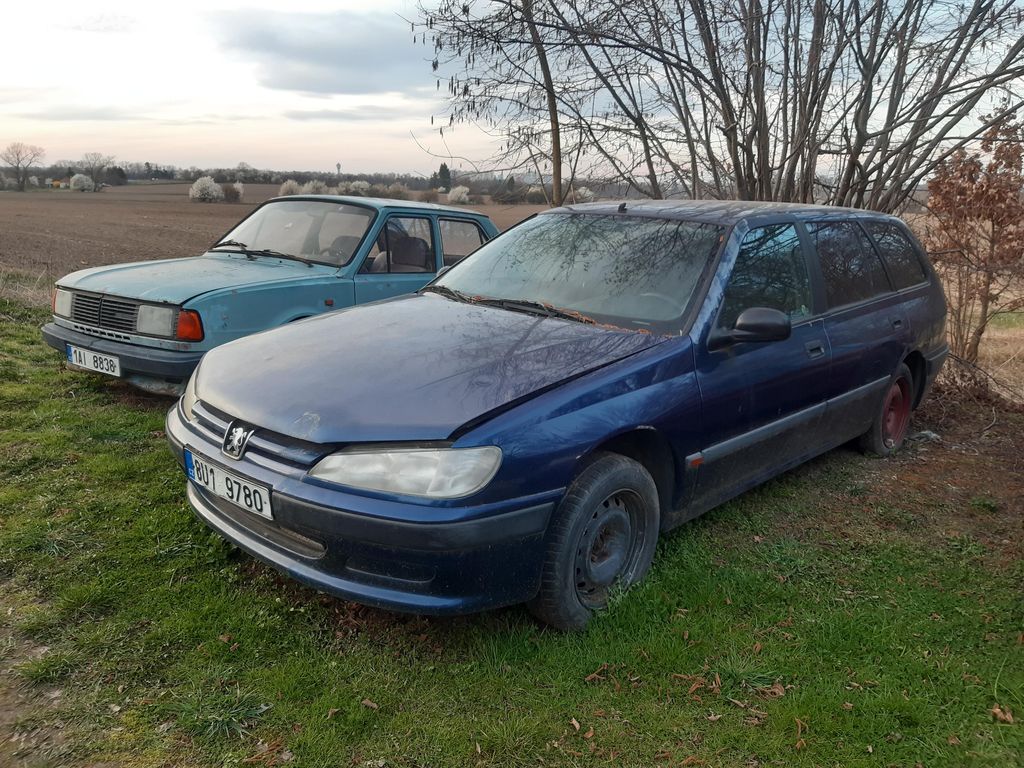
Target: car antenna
[{"x": 622, "y": 207}]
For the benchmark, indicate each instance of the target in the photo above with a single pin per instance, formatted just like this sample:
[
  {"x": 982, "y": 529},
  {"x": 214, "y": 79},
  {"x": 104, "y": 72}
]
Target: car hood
[
  {"x": 175, "y": 281},
  {"x": 415, "y": 368}
]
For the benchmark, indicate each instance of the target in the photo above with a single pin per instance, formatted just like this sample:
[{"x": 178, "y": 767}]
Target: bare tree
[
  {"x": 504, "y": 78},
  {"x": 851, "y": 102},
  {"x": 21, "y": 157},
  {"x": 94, "y": 164}
]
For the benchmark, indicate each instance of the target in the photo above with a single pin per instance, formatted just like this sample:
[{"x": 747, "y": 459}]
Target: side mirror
[{"x": 754, "y": 324}]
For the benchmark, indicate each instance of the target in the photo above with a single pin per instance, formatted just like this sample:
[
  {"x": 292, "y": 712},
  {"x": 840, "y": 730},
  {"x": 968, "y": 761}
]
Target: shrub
[
  {"x": 428, "y": 196},
  {"x": 33, "y": 181},
  {"x": 82, "y": 183},
  {"x": 290, "y": 187},
  {"x": 378, "y": 190},
  {"x": 229, "y": 193},
  {"x": 343, "y": 188},
  {"x": 361, "y": 188},
  {"x": 458, "y": 196},
  {"x": 584, "y": 195},
  {"x": 240, "y": 189},
  {"x": 536, "y": 195},
  {"x": 205, "y": 190},
  {"x": 314, "y": 187},
  {"x": 398, "y": 191}
]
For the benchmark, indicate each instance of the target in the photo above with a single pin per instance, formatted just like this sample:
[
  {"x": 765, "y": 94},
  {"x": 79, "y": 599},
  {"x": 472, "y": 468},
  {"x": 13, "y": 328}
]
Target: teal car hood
[{"x": 175, "y": 281}]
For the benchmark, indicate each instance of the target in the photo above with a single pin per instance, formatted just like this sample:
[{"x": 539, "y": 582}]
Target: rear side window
[
  {"x": 770, "y": 272},
  {"x": 898, "y": 253},
  {"x": 459, "y": 239},
  {"x": 851, "y": 267}
]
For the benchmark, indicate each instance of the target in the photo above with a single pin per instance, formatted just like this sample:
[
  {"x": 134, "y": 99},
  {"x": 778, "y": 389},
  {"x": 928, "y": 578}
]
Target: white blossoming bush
[
  {"x": 458, "y": 196},
  {"x": 397, "y": 191},
  {"x": 535, "y": 195},
  {"x": 359, "y": 187},
  {"x": 240, "y": 189},
  {"x": 584, "y": 195},
  {"x": 343, "y": 188},
  {"x": 290, "y": 187},
  {"x": 33, "y": 181},
  {"x": 205, "y": 190},
  {"x": 314, "y": 187},
  {"x": 82, "y": 183}
]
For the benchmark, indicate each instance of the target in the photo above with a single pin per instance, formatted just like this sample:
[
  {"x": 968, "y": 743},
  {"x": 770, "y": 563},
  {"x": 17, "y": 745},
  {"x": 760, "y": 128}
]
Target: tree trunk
[{"x": 549, "y": 88}]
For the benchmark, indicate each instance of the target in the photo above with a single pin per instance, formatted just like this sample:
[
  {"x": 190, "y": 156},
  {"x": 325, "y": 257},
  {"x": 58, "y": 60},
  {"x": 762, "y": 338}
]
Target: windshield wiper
[
  {"x": 537, "y": 308},
  {"x": 229, "y": 243},
  {"x": 450, "y": 293}
]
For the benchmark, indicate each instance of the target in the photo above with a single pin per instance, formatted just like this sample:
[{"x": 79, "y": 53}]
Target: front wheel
[
  {"x": 889, "y": 429},
  {"x": 602, "y": 537}
]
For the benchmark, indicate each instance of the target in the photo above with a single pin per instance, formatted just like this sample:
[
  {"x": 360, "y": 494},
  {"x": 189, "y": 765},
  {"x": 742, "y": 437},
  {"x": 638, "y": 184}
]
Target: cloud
[
  {"x": 74, "y": 113},
  {"x": 353, "y": 115},
  {"x": 327, "y": 53}
]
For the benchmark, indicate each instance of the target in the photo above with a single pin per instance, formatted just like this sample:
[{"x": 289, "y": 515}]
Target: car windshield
[
  {"x": 307, "y": 230},
  {"x": 628, "y": 271}
]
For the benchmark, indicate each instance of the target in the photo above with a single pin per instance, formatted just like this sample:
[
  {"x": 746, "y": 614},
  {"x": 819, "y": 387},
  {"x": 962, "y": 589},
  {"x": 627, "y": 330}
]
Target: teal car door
[{"x": 402, "y": 259}]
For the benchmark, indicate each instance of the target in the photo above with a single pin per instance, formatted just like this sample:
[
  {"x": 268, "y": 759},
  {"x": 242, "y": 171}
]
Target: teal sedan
[{"x": 151, "y": 322}]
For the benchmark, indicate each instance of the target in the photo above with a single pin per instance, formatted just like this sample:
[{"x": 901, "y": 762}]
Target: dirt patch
[
  {"x": 27, "y": 738},
  {"x": 45, "y": 234}
]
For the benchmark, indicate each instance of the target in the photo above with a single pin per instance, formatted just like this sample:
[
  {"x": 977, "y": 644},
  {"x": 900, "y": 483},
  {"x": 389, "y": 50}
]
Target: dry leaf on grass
[
  {"x": 774, "y": 691},
  {"x": 575, "y": 723},
  {"x": 953, "y": 741},
  {"x": 1002, "y": 714},
  {"x": 370, "y": 704}
]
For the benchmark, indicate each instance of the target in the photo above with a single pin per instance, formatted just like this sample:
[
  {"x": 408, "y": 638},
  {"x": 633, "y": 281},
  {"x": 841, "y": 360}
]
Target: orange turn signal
[{"x": 190, "y": 327}]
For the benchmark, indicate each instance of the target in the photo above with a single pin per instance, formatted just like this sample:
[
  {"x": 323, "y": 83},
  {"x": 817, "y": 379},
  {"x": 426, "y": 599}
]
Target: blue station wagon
[
  {"x": 293, "y": 257},
  {"x": 526, "y": 426}
]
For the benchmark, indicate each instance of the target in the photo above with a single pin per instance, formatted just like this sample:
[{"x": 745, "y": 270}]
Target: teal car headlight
[
  {"x": 436, "y": 473},
  {"x": 189, "y": 399},
  {"x": 156, "y": 321},
  {"x": 62, "y": 303}
]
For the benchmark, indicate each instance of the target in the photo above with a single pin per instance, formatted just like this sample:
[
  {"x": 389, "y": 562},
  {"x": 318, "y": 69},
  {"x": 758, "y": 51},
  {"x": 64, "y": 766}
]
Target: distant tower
[{"x": 338, "y": 166}]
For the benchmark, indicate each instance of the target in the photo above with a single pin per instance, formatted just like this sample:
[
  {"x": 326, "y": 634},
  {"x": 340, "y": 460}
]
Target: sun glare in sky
[{"x": 299, "y": 85}]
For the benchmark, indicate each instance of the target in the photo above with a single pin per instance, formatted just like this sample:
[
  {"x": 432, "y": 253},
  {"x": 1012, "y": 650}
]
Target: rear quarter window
[
  {"x": 849, "y": 264},
  {"x": 898, "y": 253}
]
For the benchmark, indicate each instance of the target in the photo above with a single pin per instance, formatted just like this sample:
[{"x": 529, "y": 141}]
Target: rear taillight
[{"x": 190, "y": 326}]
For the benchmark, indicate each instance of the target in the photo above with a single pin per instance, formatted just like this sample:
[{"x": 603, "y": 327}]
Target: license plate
[
  {"x": 93, "y": 361},
  {"x": 227, "y": 485}
]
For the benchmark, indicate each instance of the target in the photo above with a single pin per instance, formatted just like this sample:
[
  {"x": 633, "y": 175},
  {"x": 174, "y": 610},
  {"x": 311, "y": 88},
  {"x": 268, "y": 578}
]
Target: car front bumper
[
  {"x": 466, "y": 560},
  {"x": 137, "y": 362}
]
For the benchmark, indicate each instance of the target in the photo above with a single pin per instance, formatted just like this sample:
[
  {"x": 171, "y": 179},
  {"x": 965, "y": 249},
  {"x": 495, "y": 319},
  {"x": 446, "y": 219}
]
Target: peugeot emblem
[{"x": 235, "y": 440}]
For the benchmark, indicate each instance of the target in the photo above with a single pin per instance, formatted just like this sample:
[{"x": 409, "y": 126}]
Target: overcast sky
[{"x": 301, "y": 84}]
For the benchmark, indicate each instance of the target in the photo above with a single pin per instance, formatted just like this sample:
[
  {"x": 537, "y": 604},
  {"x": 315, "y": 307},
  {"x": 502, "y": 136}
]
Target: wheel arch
[
  {"x": 649, "y": 448},
  {"x": 918, "y": 370}
]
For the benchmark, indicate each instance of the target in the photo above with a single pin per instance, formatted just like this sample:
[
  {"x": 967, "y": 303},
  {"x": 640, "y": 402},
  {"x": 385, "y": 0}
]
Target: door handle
[
  {"x": 897, "y": 323},
  {"x": 814, "y": 349}
]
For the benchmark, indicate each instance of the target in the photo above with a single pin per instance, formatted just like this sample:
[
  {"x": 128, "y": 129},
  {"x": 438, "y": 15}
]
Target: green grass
[{"x": 171, "y": 648}]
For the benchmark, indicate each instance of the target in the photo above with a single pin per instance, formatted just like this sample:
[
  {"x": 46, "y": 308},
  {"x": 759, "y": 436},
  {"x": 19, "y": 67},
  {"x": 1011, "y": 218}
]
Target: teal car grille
[{"x": 107, "y": 312}]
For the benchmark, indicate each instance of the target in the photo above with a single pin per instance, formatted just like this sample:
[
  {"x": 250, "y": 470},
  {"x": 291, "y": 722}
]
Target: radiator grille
[{"x": 108, "y": 312}]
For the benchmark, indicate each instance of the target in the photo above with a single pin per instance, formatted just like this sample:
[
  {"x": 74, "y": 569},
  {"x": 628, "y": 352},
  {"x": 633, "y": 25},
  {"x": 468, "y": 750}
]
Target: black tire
[
  {"x": 602, "y": 536},
  {"x": 889, "y": 428}
]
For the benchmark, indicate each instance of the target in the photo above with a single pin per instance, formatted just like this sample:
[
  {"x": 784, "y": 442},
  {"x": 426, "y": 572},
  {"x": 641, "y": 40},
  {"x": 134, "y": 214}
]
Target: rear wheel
[
  {"x": 889, "y": 428},
  {"x": 602, "y": 538}
]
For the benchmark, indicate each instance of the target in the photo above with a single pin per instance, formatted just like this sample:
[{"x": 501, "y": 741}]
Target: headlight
[
  {"x": 156, "y": 321},
  {"x": 62, "y": 303},
  {"x": 188, "y": 400},
  {"x": 437, "y": 473}
]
